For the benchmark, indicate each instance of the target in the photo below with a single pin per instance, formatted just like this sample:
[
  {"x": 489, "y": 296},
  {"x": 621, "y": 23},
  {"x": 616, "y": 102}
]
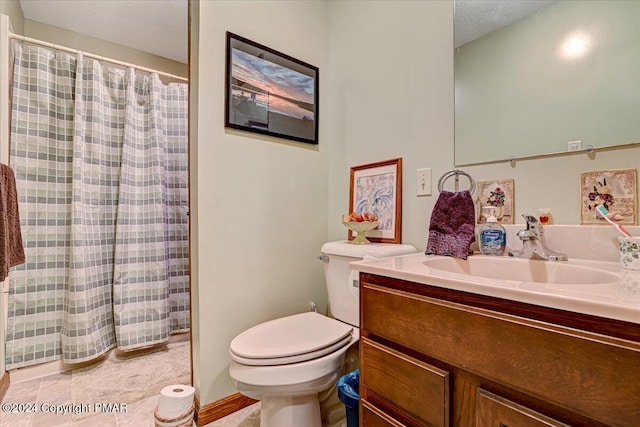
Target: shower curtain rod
[{"x": 91, "y": 55}]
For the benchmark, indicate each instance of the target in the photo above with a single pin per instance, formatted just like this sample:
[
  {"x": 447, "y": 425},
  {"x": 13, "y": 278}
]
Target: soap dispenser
[{"x": 492, "y": 237}]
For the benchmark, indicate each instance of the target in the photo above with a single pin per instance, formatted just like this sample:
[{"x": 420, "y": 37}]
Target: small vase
[
  {"x": 360, "y": 238},
  {"x": 359, "y": 228}
]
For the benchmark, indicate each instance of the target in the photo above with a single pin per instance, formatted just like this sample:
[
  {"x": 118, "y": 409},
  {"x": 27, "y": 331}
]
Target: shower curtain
[{"x": 100, "y": 155}]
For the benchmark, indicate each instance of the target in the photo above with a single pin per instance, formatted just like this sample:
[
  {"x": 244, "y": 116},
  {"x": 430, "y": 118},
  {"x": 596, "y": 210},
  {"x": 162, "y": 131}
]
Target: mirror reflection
[
  {"x": 98, "y": 147},
  {"x": 544, "y": 77}
]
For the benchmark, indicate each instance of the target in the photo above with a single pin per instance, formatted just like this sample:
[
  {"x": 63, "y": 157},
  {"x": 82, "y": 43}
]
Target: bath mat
[{"x": 129, "y": 377}]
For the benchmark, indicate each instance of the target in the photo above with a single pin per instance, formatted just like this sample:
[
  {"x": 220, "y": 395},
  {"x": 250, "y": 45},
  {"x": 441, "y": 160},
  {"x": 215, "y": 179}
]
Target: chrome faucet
[{"x": 534, "y": 245}]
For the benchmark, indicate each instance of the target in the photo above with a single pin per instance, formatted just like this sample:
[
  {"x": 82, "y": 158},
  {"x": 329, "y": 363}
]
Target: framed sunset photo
[{"x": 269, "y": 92}]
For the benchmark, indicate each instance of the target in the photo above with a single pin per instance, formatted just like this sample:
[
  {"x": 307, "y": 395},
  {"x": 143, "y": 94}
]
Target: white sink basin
[{"x": 521, "y": 270}]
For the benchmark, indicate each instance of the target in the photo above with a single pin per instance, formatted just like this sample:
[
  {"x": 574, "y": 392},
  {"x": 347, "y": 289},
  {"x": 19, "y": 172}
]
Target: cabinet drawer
[
  {"x": 409, "y": 384},
  {"x": 496, "y": 411},
  {"x": 373, "y": 417}
]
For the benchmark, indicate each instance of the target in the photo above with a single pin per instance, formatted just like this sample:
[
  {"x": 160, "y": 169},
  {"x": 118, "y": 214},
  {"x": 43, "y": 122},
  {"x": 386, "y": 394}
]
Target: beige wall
[
  {"x": 12, "y": 9},
  {"x": 259, "y": 204},
  {"x": 88, "y": 44}
]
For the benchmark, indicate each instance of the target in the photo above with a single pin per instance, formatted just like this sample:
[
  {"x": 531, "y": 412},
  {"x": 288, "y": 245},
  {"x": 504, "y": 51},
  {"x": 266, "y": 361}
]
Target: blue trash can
[{"x": 349, "y": 394}]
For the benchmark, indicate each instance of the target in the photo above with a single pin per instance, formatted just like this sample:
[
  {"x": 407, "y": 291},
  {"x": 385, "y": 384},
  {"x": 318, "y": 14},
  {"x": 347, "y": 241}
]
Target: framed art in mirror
[
  {"x": 377, "y": 188},
  {"x": 499, "y": 195},
  {"x": 269, "y": 92},
  {"x": 616, "y": 190}
]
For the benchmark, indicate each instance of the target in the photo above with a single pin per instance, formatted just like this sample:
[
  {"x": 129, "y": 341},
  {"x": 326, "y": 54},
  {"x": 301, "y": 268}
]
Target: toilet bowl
[
  {"x": 287, "y": 361},
  {"x": 303, "y": 357}
]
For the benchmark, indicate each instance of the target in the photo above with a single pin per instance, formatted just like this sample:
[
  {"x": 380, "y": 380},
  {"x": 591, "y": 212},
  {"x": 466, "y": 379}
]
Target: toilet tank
[{"x": 342, "y": 282}]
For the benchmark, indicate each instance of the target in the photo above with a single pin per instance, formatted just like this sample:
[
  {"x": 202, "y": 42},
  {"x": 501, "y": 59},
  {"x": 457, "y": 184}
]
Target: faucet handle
[
  {"x": 526, "y": 235},
  {"x": 533, "y": 242},
  {"x": 534, "y": 228},
  {"x": 531, "y": 220}
]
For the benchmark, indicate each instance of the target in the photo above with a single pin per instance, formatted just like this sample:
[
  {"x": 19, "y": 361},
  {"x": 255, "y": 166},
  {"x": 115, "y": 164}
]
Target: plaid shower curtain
[{"x": 100, "y": 156}]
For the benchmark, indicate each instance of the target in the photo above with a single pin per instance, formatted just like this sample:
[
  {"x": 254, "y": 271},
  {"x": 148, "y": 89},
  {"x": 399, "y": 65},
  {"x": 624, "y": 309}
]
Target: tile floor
[
  {"x": 56, "y": 390},
  {"x": 247, "y": 417}
]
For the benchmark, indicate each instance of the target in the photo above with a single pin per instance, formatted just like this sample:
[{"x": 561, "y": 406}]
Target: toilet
[{"x": 286, "y": 362}]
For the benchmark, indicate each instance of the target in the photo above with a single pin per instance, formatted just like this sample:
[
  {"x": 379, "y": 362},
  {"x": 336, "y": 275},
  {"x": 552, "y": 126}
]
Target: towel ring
[{"x": 457, "y": 173}]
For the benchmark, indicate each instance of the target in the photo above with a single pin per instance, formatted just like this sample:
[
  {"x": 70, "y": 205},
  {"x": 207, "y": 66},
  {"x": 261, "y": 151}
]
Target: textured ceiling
[
  {"x": 160, "y": 26},
  {"x": 475, "y": 18},
  {"x": 155, "y": 26}
]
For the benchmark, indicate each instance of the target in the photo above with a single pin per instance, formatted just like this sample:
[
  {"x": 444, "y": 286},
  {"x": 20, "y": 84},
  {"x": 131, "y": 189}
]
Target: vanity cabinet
[{"x": 430, "y": 356}]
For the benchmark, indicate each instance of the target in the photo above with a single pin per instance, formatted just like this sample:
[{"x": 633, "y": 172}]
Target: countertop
[{"x": 618, "y": 299}]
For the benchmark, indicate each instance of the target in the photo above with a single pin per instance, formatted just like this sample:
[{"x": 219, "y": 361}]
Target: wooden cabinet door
[{"x": 495, "y": 411}]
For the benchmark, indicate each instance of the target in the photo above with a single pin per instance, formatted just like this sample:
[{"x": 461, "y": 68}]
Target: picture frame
[
  {"x": 270, "y": 93},
  {"x": 616, "y": 189},
  {"x": 377, "y": 187},
  {"x": 498, "y": 193}
]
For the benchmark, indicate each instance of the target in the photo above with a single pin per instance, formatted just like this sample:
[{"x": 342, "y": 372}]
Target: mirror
[
  {"x": 49, "y": 124},
  {"x": 556, "y": 76}
]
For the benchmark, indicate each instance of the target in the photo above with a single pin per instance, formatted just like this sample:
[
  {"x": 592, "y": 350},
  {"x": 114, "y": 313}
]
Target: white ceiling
[{"x": 155, "y": 26}]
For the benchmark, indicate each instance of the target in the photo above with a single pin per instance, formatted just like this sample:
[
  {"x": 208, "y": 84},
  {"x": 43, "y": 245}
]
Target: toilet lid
[{"x": 290, "y": 339}]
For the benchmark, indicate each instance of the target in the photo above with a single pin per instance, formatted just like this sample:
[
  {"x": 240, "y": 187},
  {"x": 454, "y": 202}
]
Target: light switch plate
[{"x": 423, "y": 183}]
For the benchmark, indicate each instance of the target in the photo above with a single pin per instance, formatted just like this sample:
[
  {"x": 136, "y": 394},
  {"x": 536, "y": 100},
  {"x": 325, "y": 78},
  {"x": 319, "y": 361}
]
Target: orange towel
[{"x": 11, "y": 249}]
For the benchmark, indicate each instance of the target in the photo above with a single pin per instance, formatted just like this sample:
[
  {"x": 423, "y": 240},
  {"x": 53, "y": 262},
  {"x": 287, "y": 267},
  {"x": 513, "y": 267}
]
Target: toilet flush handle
[{"x": 323, "y": 258}]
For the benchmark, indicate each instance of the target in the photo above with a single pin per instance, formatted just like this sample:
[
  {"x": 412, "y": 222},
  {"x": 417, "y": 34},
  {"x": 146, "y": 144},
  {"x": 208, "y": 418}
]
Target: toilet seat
[
  {"x": 282, "y": 378},
  {"x": 292, "y": 339},
  {"x": 291, "y": 359}
]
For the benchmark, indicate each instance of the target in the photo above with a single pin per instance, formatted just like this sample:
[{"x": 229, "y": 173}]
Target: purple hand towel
[
  {"x": 11, "y": 249},
  {"x": 452, "y": 227}
]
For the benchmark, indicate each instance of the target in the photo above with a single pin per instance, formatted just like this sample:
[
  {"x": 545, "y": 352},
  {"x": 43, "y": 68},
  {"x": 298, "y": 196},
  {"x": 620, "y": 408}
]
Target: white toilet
[{"x": 286, "y": 362}]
